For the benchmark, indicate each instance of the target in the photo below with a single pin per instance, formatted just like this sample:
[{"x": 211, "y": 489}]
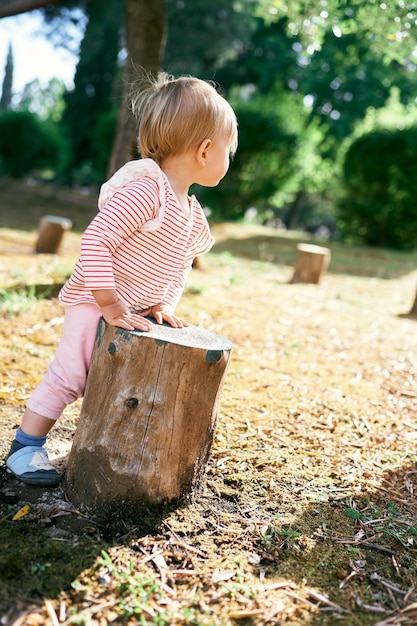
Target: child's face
[{"x": 217, "y": 161}]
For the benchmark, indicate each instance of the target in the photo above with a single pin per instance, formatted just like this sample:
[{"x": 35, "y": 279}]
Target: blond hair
[{"x": 177, "y": 114}]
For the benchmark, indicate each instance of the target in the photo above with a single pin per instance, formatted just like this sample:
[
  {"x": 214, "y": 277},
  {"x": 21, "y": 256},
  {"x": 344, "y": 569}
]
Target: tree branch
[{"x": 15, "y": 7}]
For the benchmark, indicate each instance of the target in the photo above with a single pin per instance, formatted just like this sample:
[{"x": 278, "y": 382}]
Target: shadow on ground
[
  {"x": 365, "y": 541},
  {"x": 46, "y": 545}
]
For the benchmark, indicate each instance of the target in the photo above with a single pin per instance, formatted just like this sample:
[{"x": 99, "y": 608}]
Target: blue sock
[{"x": 28, "y": 440}]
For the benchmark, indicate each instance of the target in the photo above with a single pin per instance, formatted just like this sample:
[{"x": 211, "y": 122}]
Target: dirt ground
[{"x": 308, "y": 510}]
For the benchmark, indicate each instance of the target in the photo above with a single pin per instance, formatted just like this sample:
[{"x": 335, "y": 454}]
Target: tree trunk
[
  {"x": 146, "y": 34},
  {"x": 310, "y": 264},
  {"x": 295, "y": 208},
  {"x": 413, "y": 310},
  {"x": 148, "y": 418},
  {"x": 15, "y": 7},
  {"x": 146, "y": 27}
]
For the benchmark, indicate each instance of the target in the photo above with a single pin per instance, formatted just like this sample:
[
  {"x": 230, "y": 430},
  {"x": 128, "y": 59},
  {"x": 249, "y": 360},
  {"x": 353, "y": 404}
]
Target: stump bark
[
  {"x": 148, "y": 417},
  {"x": 51, "y": 232},
  {"x": 310, "y": 264},
  {"x": 413, "y": 310}
]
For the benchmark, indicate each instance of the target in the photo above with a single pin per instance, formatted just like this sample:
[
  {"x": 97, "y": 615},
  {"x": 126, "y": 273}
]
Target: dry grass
[{"x": 308, "y": 512}]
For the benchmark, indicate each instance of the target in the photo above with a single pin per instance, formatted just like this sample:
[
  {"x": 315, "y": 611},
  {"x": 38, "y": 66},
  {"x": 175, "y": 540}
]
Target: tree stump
[
  {"x": 413, "y": 310},
  {"x": 50, "y": 234},
  {"x": 148, "y": 417},
  {"x": 310, "y": 264}
]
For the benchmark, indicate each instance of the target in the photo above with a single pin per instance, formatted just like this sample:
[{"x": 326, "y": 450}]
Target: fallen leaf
[
  {"x": 219, "y": 575},
  {"x": 21, "y": 512}
]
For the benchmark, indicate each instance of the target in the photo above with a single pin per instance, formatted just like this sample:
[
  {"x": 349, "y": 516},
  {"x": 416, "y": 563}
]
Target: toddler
[{"x": 138, "y": 250}]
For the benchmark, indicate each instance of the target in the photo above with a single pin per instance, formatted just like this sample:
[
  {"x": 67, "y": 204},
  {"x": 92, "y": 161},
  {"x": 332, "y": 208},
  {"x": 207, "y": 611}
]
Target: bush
[
  {"x": 29, "y": 145},
  {"x": 102, "y": 140},
  {"x": 380, "y": 190},
  {"x": 264, "y": 160}
]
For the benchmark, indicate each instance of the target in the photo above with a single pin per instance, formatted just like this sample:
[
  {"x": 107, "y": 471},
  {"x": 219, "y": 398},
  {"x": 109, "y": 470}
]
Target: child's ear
[{"x": 202, "y": 151}]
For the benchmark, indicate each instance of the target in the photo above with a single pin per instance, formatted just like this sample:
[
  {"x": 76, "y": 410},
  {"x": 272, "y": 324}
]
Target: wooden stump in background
[
  {"x": 148, "y": 417},
  {"x": 50, "y": 234},
  {"x": 413, "y": 310},
  {"x": 310, "y": 264}
]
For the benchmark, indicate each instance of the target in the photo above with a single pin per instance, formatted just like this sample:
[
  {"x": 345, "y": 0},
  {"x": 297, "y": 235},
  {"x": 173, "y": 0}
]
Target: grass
[
  {"x": 269, "y": 245},
  {"x": 13, "y": 301}
]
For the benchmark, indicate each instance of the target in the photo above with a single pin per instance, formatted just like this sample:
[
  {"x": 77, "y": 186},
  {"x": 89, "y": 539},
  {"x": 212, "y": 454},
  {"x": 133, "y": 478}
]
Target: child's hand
[
  {"x": 118, "y": 314},
  {"x": 163, "y": 313}
]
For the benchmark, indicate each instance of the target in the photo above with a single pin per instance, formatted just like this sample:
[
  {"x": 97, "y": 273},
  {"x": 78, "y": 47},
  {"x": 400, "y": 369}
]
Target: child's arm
[{"x": 118, "y": 314}]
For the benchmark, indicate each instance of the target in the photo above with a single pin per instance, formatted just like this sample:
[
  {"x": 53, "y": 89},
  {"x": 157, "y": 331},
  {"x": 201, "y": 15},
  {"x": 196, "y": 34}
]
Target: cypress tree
[{"x": 6, "y": 94}]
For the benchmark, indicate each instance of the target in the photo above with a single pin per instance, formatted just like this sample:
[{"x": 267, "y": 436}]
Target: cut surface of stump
[
  {"x": 148, "y": 417},
  {"x": 50, "y": 234},
  {"x": 310, "y": 264}
]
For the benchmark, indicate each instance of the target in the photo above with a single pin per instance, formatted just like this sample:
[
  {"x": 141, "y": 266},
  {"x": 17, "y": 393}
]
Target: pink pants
[{"x": 66, "y": 377}]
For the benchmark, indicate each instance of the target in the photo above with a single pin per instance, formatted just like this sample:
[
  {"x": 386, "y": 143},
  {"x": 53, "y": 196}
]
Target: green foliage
[
  {"x": 6, "y": 93},
  {"x": 47, "y": 102},
  {"x": 330, "y": 89},
  {"x": 388, "y": 28},
  {"x": 313, "y": 72},
  {"x": 263, "y": 162},
  {"x": 92, "y": 171},
  {"x": 339, "y": 81},
  {"x": 135, "y": 592},
  {"x": 380, "y": 186},
  {"x": 205, "y": 36},
  {"x": 29, "y": 145},
  {"x": 264, "y": 58},
  {"x": 102, "y": 139},
  {"x": 342, "y": 80},
  {"x": 278, "y": 155},
  {"x": 353, "y": 513},
  {"x": 14, "y": 301},
  {"x": 395, "y": 114},
  {"x": 94, "y": 91}
]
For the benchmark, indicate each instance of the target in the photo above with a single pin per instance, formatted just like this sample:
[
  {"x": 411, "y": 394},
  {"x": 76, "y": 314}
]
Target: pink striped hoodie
[{"x": 141, "y": 241}]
